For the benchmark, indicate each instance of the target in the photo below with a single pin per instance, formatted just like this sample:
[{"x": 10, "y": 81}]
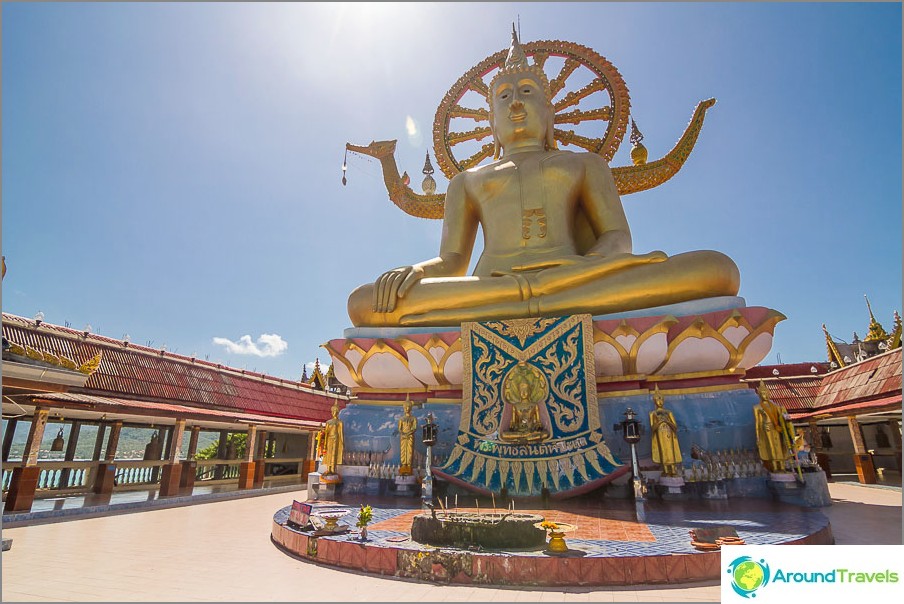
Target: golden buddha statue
[
  {"x": 666, "y": 450},
  {"x": 407, "y": 428},
  {"x": 524, "y": 388},
  {"x": 335, "y": 442},
  {"x": 770, "y": 432},
  {"x": 556, "y": 240}
]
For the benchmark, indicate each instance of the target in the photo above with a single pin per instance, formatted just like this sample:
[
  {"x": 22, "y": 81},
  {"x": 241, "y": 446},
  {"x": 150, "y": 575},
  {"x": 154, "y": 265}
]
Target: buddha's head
[
  {"x": 521, "y": 109},
  {"x": 763, "y": 393},
  {"x": 335, "y": 410},
  {"x": 657, "y": 398},
  {"x": 406, "y": 406}
]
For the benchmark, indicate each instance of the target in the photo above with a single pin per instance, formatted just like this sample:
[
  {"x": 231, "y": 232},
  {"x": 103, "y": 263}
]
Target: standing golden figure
[
  {"x": 335, "y": 442},
  {"x": 407, "y": 428},
  {"x": 666, "y": 449},
  {"x": 772, "y": 440},
  {"x": 556, "y": 240}
]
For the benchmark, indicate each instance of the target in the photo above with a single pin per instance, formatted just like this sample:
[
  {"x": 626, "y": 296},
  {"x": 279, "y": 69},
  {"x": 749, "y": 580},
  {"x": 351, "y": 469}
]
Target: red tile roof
[
  {"x": 876, "y": 377},
  {"x": 789, "y": 370},
  {"x": 140, "y": 373},
  {"x": 792, "y": 393},
  {"x": 118, "y": 405},
  {"x": 888, "y": 403},
  {"x": 873, "y": 384}
]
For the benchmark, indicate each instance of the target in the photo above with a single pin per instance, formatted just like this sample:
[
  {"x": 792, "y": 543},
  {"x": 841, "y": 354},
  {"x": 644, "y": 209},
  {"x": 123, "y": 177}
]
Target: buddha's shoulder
[
  {"x": 568, "y": 158},
  {"x": 552, "y": 155}
]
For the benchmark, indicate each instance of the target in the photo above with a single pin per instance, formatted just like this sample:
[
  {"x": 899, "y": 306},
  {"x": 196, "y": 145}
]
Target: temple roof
[
  {"x": 872, "y": 385},
  {"x": 876, "y": 377},
  {"x": 138, "y": 373}
]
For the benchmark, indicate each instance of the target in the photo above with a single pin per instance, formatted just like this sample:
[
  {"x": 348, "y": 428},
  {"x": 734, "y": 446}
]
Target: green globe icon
[{"x": 748, "y": 575}]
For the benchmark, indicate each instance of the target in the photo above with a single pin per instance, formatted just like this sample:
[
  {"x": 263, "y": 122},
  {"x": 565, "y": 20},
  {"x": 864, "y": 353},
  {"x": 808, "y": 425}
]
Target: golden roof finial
[
  {"x": 894, "y": 340},
  {"x": 91, "y": 365},
  {"x": 429, "y": 184},
  {"x": 833, "y": 354},
  {"x": 876, "y": 331},
  {"x": 638, "y": 151}
]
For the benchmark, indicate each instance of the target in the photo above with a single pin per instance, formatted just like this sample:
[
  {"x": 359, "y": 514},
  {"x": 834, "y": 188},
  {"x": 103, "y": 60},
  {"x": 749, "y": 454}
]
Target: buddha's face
[{"x": 520, "y": 110}]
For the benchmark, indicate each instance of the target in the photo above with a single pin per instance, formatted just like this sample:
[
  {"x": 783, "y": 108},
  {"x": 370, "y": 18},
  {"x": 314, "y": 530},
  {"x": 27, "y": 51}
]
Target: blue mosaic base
[
  {"x": 715, "y": 421},
  {"x": 374, "y": 428}
]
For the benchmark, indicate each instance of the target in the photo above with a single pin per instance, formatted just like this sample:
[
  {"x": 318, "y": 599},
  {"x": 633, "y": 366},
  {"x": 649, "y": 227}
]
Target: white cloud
[{"x": 268, "y": 345}]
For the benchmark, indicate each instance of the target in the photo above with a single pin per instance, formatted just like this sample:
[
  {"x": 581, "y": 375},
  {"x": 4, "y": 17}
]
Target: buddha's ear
[
  {"x": 497, "y": 148},
  {"x": 550, "y": 133}
]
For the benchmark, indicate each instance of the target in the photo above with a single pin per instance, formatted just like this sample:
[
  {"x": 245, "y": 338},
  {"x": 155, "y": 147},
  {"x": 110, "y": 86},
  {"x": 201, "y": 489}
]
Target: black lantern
[
  {"x": 428, "y": 436},
  {"x": 630, "y": 427},
  {"x": 631, "y": 431},
  {"x": 429, "y": 431}
]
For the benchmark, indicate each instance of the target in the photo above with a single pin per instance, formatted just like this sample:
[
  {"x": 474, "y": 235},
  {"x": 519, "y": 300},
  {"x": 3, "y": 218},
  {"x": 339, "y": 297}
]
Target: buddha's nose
[{"x": 516, "y": 105}]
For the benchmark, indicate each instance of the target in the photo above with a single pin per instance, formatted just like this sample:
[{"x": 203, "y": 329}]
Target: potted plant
[
  {"x": 365, "y": 515},
  {"x": 556, "y": 532}
]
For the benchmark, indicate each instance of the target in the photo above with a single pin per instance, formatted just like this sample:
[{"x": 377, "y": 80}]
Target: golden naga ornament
[{"x": 588, "y": 93}]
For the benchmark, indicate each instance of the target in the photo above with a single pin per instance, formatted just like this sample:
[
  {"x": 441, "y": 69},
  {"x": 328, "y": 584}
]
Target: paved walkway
[{"x": 221, "y": 551}]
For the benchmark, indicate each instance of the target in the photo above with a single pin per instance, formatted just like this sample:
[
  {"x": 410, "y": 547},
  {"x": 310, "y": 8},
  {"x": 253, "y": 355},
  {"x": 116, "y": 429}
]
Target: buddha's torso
[{"x": 526, "y": 205}]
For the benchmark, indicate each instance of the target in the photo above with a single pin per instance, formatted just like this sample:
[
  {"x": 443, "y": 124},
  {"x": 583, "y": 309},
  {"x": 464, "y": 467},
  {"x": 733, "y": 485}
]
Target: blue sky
[{"x": 172, "y": 171}]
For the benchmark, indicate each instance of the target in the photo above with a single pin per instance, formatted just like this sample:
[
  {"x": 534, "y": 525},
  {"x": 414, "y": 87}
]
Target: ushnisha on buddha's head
[{"x": 521, "y": 111}]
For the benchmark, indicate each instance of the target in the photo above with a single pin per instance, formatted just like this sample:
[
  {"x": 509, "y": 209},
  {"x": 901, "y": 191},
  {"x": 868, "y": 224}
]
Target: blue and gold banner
[{"x": 530, "y": 416}]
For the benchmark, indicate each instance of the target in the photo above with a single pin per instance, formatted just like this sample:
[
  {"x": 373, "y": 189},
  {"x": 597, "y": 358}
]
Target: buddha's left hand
[{"x": 625, "y": 259}]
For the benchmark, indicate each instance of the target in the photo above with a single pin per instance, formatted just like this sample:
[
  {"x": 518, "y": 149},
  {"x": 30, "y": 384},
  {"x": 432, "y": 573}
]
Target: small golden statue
[
  {"x": 772, "y": 437},
  {"x": 335, "y": 442},
  {"x": 407, "y": 428},
  {"x": 524, "y": 388},
  {"x": 666, "y": 450},
  {"x": 556, "y": 240}
]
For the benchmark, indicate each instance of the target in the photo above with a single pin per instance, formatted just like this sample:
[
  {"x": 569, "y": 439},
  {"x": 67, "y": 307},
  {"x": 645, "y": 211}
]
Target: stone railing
[{"x": 77, "y": 476}]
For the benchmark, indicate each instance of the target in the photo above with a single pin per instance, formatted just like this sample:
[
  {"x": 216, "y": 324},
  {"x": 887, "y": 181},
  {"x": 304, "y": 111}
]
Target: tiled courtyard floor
[{"x": 221, "y": 551}]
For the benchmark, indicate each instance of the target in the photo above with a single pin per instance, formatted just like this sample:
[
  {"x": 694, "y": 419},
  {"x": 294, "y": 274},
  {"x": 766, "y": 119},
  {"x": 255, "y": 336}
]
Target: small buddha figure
[
  {"x": 335, "y": 442},
  {"x": 523, "y": 389},
  {"x": 666, "y": 450},
  {"x": 556, "y": 240},
  {"x": 407, "y": 428},
  {"x": 770, "y": 437}
]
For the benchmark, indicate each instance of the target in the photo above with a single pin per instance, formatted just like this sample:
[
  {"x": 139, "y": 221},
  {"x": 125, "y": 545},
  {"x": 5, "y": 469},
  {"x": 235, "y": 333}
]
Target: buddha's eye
[{"x": 526, "y": 90}]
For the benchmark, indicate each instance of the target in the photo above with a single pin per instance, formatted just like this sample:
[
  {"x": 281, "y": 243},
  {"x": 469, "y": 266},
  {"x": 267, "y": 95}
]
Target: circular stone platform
[{"x": 609, "y": 547}]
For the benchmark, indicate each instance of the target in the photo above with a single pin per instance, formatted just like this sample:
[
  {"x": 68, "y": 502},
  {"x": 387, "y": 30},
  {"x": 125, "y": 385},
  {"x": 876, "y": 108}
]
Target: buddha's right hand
[{"x": 394, "y": 284}]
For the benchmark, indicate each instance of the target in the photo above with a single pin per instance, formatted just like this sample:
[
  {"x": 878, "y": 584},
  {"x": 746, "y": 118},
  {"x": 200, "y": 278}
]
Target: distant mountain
[{"x": 132, "y": 442}]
